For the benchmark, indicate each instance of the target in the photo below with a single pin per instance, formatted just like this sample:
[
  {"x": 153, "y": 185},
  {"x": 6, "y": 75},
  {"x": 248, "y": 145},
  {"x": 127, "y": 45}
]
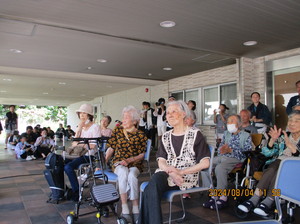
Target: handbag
[{"x": 74, "y": 152}]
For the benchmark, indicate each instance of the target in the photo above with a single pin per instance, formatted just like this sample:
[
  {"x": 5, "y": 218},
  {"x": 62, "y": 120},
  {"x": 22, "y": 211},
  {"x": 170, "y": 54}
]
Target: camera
[{"x": 157, "y": 104}]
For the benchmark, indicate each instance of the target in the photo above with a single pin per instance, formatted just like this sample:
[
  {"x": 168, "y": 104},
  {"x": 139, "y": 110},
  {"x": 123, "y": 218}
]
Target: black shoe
[
  {"x": 209, "y": 203},
  {"x": 262, "y": 210},
  {"x": 246, "y": 206}
]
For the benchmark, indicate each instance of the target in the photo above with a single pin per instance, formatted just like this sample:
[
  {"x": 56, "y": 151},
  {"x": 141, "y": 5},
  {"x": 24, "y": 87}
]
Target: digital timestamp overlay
[{"x": 240, "y": 192}]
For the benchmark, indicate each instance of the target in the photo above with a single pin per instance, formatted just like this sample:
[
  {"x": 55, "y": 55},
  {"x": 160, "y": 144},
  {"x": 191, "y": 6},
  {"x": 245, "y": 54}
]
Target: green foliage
[
  {"x": 3, "y": 111},
  {"x": 37, "y": 114},
  {"x": 56, "y": 113}
]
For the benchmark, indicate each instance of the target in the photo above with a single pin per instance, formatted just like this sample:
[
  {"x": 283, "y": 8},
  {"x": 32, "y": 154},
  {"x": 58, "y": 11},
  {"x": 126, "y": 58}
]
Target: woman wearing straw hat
[{"x": 86, "y": 129}]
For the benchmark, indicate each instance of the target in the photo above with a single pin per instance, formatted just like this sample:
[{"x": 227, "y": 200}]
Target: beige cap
[{"x": 86, "y": 108}]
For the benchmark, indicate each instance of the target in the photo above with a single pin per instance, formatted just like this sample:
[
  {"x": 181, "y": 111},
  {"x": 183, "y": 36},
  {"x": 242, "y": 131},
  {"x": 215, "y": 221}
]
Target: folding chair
[
  {"x": 287, "y": 186},
  {"x": 147, "y": 155},
  {"x": 169, "y": 195},
  {"x": 113, "y": 178}
]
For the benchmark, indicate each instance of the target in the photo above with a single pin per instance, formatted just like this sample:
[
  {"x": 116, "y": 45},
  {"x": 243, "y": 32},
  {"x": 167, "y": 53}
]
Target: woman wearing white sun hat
[{"x": 86, "y": 129}]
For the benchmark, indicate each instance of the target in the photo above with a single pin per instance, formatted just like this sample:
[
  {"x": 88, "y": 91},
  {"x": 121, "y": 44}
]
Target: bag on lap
[
  {"x": 54, "y": 175},
  {"x": 74, "y": 152}
]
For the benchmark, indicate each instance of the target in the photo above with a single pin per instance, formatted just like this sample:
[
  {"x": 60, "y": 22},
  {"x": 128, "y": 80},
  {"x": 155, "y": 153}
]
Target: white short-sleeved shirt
[{"x": 93, "y": 132}]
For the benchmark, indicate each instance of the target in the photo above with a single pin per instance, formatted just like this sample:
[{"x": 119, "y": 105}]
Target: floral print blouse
[{"x": 126, "y": 148}]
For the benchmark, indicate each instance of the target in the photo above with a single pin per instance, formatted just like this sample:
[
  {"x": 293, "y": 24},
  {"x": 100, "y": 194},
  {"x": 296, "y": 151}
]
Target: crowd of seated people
[
  {"x": 126, "y": 160},
  {"x": 182, "y": 154},
  {"x": 34, "y": 143}
]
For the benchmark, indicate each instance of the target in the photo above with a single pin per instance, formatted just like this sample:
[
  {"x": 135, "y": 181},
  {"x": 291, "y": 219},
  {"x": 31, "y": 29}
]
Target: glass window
[
  {"x": 211, "y": 102},
  {"x": 194, "y": 95},
  {"x": 228, "y": 96},
  {"x": 178, "y": 95}
]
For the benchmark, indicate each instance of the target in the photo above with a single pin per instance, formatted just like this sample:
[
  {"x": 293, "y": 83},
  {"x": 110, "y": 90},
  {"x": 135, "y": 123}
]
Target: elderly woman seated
[
  {"x": 182, "y": 154},
  {"x": 287, "y": 144},
  {"x": 126, "y": 148}
]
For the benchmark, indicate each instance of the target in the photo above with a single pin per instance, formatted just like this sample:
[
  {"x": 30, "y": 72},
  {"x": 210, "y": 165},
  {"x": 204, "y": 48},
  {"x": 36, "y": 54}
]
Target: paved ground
[{"x": 24, "y": 191}]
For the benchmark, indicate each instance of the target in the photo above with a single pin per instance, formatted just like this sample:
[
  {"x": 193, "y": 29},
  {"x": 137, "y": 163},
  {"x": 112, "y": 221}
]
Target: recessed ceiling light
[
  {"x": 45, "y": 93},
  {"x": 16, "y": 51},
  {"x": 62, "y": 83},
  {"x": 167, "y": 24},
  {"x": 102, "y": 60},
  {"x": 89, "y": 68},
  {"x": 149, "y": 74},
  {"x": 8, "y": 80},
  {"x": 250, "y": 43},
  {"x": 3, "y": 91},
  {"x": 167, "y": 69}
]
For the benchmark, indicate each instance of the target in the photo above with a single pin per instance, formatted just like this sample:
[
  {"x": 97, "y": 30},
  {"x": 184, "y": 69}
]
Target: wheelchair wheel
[
  {"x": 122, "y": 220},
  {"x": 239, "y": 213},
  {"x": 70, "y": 219}
]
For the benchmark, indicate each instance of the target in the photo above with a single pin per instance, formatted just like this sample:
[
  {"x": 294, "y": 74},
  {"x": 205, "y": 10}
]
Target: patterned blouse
[{"x": 125, "y": 148}]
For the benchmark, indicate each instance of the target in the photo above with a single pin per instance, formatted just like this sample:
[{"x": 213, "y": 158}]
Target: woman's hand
[
  {"x": 124, "y": 162},
  {"x": 170, "y": 169},
  {"x": 177, "y": 178},
  {"x": 288, "y": 142},
  {"x": 275, "y": 133},
  {"x": 224, "y": 149}
]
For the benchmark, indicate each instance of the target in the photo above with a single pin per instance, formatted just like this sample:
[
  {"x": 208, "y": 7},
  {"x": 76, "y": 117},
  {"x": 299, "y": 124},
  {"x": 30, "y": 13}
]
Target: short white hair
[
  {"x": 183, "y": 107},
  {"x": 135, "y": 113}
]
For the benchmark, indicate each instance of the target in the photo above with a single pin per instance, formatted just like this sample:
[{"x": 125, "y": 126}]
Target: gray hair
[
  {"x": 183, "y": 107},
  {"x": 247, "y": 111},
  {"x": 295, "y": 112},
  {"x": 135, "y": 113},
  {"x": 238, "y": 118}
]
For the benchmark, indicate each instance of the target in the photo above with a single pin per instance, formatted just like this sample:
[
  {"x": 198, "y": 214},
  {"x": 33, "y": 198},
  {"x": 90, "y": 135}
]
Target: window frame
[{"x": 201, "y": 104}]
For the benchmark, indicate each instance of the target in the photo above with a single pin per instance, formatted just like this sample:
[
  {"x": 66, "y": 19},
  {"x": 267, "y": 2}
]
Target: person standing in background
[
  {"x": 295, "y": 100},
  {"x": 150, "y": 121},
  {"x": 160, "y": 113},
  {"x": 142, "y": 123},
  {"x": 260, "y": 114},
  {"x": 11, "y": 123},
  {"x": 1, "y": 128},
  {"x": 220, "y": 120}
]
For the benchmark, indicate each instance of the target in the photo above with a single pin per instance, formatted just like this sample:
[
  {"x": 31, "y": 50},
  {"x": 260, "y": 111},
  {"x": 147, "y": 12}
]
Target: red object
[{"x": 146, "y": 90}]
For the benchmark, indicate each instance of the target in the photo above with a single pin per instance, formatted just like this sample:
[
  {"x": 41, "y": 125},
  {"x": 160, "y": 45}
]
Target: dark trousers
[
  {"x": 151, "y": 135},
  {"x": 70, "y": 170},
  {"x": 39, "y": 150},
  {"x": 267, "y": 182},
  {"x": 25, "y": 154},
  {"x": 150, "y": 211}
]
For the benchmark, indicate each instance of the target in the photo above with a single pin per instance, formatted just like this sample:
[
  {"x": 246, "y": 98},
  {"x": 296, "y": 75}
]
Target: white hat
[{"x": 86, "y": 108}]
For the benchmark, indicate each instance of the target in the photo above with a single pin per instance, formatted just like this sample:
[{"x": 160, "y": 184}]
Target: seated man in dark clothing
[
  {"x": 60, "y": 132},
  {"x": 29, "y": 135},
  {"x": 36, "y": 133},
  {"x": 69, "y": 132},
  {"x": 50, "y": 133}
]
